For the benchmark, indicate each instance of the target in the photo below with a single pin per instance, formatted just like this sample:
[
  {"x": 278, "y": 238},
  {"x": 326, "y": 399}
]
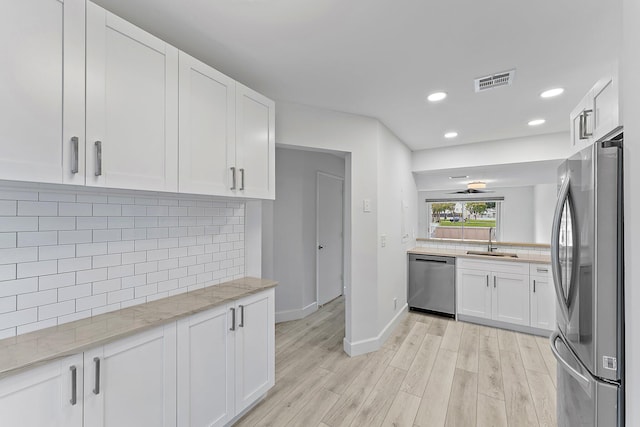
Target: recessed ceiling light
[
  {"x": 437, "y": 96},
  {"x": 536, "y": 122},
  {"x": 552, "y": 92},
  {"x": 450, "y": 135}
]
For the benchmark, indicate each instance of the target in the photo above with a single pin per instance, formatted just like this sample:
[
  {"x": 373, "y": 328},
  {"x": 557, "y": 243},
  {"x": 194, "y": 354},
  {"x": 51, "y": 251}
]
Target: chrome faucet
[{"x": 490, "y": 247}]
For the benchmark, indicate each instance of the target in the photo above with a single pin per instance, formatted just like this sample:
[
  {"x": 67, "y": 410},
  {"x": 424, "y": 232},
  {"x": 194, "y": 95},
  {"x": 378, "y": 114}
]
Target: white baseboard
[
  {"x": 285, "y": 316},
  {"x": 372, "y": 344}
]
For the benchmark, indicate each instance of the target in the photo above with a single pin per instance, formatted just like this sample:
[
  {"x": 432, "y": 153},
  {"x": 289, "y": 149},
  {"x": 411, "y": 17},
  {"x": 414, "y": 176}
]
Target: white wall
[
  {"x": 631, "y": 106},
  {"x": 360, "y": 137},
  {"x": 294, "y": 228},
  {"x": 397, "y": 220},
  {"x": 302, "y": 126},
  {"x": 544, "y": 203},
  {"x": 518, "y": 212},
  {"x": 517, "y": 150}
]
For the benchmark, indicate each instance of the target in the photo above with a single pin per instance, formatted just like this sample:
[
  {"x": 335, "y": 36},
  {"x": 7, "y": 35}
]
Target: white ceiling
[
  {"x": 495, "y": 176},
  {"x": 381, "y": 58}
]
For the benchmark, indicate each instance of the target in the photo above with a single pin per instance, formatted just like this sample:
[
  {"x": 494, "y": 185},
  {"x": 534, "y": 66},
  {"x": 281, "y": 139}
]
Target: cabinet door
[
  {"x": 605, "y": 107},
  {"x": 43, "y": 396},
  {"x": 206, "y": 369},
  {"x": 255, "y": 348},
  {"x": 207, "y": 128},
  {"x": 510, "y": 298},
  {"x": 255, "y": 144},
  {"x": 582, "y": 124},
  {"x": 474, "y": 293},
  {"x": 40, "y": 87},
  {"x": 132, "y": 106},
  {"x": 132, "y": 382},
  {"x": 543, "y": 303}
]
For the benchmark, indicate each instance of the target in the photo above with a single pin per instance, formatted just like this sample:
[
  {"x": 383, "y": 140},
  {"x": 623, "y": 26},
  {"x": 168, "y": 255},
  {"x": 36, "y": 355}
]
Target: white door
[
  {"x": 207, "y": 128},
  {"x": 44, "y": 396},
  {"x": 510, "y": 298},
  {"x": 255, "y": 348},
  {"x": 206, "y": 369},
  {"x": 132, "y": 382},
  {"x": 39, "y": 86},
  {"x": 543, "y": 303},
  {"x": 330, "y": 246},
  {"x": 132, "y": 106},
  {"x": 474, "y": 293},
  {"x": 255, "y": 144}
]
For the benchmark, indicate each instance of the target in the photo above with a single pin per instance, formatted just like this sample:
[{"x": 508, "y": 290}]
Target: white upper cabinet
[
  {"x": 207, "y": 128},
  {"x": 49, "y": 395},
  {"x": 132, "y": 106},
  {"x": 42, "y": 91},
  {"x": 255, "y": 144}
]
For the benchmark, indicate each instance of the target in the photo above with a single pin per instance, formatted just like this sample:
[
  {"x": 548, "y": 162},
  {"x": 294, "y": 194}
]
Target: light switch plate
[
  {"x": 366, "y": 205},
  {"x": 383, "y": 240}
]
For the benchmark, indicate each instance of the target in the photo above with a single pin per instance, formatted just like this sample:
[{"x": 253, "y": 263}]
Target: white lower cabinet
[
  {"x": 513, "y": 293},
  {"x": 132, "y": 382},
  {"x": 49, "y": 395},
  {"x": 543, "y": 297},
  {"x": 203, "y": 370},
  {"x": 225, "y": 360}
]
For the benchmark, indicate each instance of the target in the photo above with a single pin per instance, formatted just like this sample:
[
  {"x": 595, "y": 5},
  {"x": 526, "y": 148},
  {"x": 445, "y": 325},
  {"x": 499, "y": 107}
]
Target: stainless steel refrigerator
[{"x": 587, "y": 264}]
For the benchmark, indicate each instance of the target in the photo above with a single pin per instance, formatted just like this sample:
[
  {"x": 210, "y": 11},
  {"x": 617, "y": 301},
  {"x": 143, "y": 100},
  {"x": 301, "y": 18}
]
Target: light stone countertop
[
  {"x": 45, "y": 345},
  {"x": 462, "y": 253}
]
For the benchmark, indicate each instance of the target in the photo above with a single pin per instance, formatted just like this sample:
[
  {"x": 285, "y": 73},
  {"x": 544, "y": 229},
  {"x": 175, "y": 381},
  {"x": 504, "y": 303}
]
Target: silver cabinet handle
[
  {"x": 98, "y": 145},
  {"x": 534, "y": 286},
  {"x": 241, "y": 316},
  {"x": 586, "y": 116},
  {"x": 487, "y": 280},
  {"x": 74, "y": 385},
  {"x": 74, "y": 154},
  {"x": 96, "y": 388},
  {"x": 494, "y": 281},
  {"x": 241, "y": 178},
  {"x": 233, "y": 178},
  {"x": 581, "y": 128},
  {"x": 233, "y": 319}
]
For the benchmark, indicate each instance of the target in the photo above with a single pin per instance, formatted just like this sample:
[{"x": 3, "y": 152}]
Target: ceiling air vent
[{"x": 504, "y": 78}]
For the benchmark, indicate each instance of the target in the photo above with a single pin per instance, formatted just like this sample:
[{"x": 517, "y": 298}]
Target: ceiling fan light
[{"x": 476, "y": 185}]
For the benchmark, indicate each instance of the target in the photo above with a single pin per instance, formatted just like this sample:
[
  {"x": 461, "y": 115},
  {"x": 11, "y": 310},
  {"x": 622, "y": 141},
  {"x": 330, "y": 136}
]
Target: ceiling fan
[{"x": 476, "y": 187}]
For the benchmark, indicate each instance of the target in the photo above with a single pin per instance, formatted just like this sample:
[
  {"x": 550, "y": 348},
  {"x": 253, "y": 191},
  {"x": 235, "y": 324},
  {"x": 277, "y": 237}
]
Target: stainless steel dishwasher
[{"x": 432, "y": 284}]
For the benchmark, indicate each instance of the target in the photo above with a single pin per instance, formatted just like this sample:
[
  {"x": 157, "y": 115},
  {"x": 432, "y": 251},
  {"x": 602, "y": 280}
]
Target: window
[{"x": 464, "y": 219}]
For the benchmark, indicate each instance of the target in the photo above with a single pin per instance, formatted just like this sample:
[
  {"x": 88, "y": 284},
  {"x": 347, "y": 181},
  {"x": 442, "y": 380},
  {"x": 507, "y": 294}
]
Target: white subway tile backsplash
[
  {"x": 8, "y": 207},
  {"x": 56, "y": 252},
  {"x": 74, "y": 264},
  {"x": 75, "y": 209},
  {"x": 55, "y": 223},
  {"x": 54, "y": 281},
  {"x": 28, "y": 208},
  {"x": 37, "y": 238},
  {"x": 67, "y": 254},
  {"x": 35, "y": 269},
  {"x": 36, "y": 299},
  {"x": 56, "y": 310}
]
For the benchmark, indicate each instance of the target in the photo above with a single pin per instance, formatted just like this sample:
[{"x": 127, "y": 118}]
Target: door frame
[{"x": 342, "y": 225}]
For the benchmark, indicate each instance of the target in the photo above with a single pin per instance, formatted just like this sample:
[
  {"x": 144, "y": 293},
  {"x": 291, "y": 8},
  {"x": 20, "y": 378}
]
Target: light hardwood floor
[{"x": 431, "y": 372}]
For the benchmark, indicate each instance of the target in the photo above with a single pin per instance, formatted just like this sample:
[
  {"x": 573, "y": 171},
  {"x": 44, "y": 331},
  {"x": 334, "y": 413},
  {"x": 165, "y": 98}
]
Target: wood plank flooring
[{"x": 431, "y": 372}]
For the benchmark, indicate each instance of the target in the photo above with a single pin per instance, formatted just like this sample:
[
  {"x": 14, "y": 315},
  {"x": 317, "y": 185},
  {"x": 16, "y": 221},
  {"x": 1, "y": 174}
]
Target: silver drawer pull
[
  {"x": 98, "y": 145},
  {"x": 487, "y": 280},
  {"x": 241, "y": 178},
  {"x": 494, "y": 281},
  {"x": 233, "y": 319},
  {"x": 233, "y": 178},
  {"x": 96, "y": 388},
  {"x": 241, "y": 316},
  {"x": 74, "y": 385},
  {"x": 74, "y": 154},
  {"x": 534, "y": 286}
]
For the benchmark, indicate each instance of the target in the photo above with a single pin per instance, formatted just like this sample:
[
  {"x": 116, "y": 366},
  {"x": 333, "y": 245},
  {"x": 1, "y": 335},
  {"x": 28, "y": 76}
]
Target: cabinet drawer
[
  {"x": 495, "y": 266},
  {"x": 539, "y": 269}
]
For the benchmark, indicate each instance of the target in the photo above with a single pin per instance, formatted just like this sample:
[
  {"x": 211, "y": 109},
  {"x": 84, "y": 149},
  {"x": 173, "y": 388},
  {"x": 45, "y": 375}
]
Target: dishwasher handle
[{"x": 431, "y": 260}]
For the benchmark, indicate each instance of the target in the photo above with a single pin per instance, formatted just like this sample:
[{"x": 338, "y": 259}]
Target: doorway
[{"x": 330, "y": 237}]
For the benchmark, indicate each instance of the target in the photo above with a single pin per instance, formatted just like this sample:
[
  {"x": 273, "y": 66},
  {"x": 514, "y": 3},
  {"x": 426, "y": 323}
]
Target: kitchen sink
[{"x": 493, "y": 254}]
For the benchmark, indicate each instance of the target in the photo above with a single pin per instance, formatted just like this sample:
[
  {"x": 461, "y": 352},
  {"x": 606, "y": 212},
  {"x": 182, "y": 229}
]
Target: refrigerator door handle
[
  {"x": 563, "y": 197},
  {"x": 584, "y": 381}
]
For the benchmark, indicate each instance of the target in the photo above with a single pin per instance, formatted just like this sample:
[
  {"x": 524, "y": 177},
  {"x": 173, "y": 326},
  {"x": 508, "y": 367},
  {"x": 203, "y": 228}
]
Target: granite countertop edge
[
  {"x": 37, "y": 348},
  {"x": 534, "y": 259}
]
